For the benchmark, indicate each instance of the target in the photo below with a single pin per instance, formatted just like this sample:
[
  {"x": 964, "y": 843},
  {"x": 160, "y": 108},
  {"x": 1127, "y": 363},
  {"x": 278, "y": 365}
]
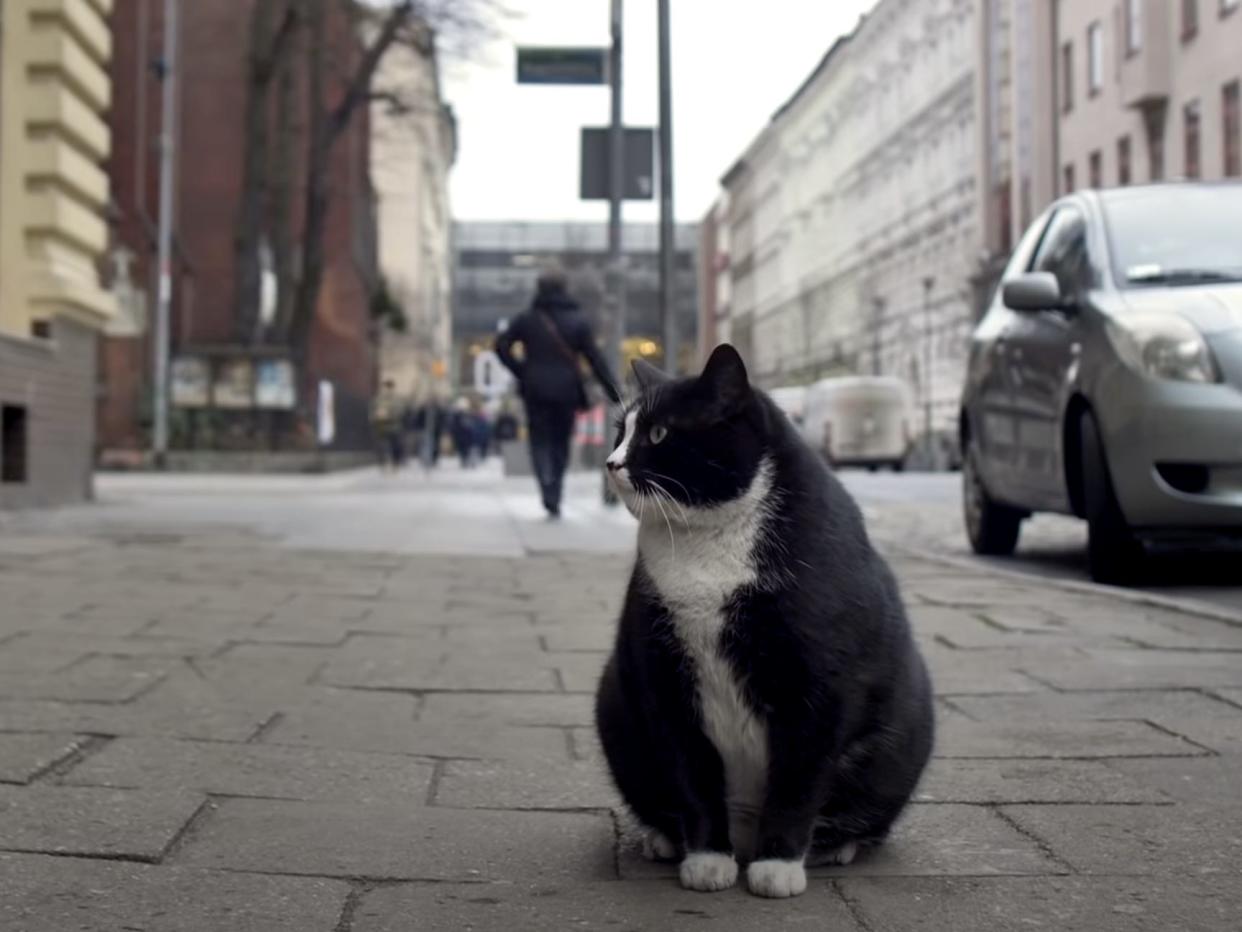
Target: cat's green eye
[{"x": 658, "y": 433}]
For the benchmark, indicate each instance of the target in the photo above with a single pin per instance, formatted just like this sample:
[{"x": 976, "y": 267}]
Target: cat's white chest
[{"x": 696, "y": 572}]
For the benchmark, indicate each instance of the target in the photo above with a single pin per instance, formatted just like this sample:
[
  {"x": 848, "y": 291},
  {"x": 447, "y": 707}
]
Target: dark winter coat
[{"x": 545, "y": 374}]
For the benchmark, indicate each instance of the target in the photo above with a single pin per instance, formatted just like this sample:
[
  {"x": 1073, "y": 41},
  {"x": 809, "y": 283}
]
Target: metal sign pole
[
  {"x": 668, "y": 309},
  {"x": 616, "y": 193}
]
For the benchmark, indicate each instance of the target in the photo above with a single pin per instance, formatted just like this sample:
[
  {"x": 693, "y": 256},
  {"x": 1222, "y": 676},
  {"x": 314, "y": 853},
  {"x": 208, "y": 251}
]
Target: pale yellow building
[
  {"x": 54, "y": 139},
  {"x": 413, "y": 145}
]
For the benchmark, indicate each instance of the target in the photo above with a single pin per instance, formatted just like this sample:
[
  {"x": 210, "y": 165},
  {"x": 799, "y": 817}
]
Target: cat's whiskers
[
  {"x": 672, "y": 538},
  {"x": 664, "y": 493}
]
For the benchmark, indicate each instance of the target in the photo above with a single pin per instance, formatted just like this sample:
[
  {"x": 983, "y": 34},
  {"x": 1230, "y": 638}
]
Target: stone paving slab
[
  {"x": 1162, "y": 840},
  {"x": 927, "y": 841},
  {"x": 1032, "y": 781},
  {"x": 546, "y": 784},
  {"x": 648, "y": 905},
  {"x": 94, "y": 679},
  {"x": 1201, "y": 780},
  {"x": 128, "y": 824},
  {"x": 353, "y": 839},
  {"x": 156, "y": 714},
  {"x": 384, "y": 722},
  {"x": 515, "y": 709},
  {"x": 1140, "y": 669},
  {"x": 254, "y": 770},
  {"x": 23, "y": 756},
  {"x": 1128, "y": 704},
  {"x": 1078, "y": 733},
  {"x": 58, "y": 894},
  {"x": 1046, "y": 904},
  {"x": 1067, "y": 739}
]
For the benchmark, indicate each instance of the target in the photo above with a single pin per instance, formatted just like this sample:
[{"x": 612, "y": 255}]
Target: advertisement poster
[
  {"x": 274, "y": 384},
  {"x": 326, "y": 421},
  {"x": 234, "y": 386},
  {"x": 190, "y": 380}
]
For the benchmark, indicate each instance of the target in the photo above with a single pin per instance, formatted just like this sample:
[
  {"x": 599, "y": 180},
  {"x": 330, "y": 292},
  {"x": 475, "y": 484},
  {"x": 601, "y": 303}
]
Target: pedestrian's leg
[
  {"x": 539, "y": 422},
  {"x": 563, "y": 429}
]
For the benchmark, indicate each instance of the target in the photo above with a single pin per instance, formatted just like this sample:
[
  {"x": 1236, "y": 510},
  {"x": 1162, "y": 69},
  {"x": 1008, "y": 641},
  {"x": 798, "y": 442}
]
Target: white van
[
  {"x": 792, "y": 400},
  {"x": 859, "y": 421}
]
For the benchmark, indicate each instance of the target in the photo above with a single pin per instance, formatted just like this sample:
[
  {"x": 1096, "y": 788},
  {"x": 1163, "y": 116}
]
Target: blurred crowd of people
[{"x": 469, "y": 428}]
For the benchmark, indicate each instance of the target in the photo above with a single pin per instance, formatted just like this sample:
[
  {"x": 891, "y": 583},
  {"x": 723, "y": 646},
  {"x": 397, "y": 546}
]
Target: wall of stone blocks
[{"x": 54, "y": 380}]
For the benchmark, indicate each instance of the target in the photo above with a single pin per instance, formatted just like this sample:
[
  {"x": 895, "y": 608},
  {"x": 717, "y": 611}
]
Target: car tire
[
  {"x": 899, "y": 466},
  {"x": 993, "y": 528},
  {"x": 1114, "y": 555}
]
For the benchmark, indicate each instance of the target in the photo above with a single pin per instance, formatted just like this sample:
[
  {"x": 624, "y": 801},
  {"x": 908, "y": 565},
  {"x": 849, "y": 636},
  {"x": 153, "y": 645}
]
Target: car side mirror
[{"x": 1034, "y": 291}]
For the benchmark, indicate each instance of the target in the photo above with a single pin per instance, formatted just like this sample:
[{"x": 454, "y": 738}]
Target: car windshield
[{"x": 1172, "y": 235}]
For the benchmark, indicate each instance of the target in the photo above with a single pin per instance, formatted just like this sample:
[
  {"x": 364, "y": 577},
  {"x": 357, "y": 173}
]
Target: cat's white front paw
[
  {"x": 776, "y": 878},
  {"x": 657, "y": 847},
  {"x": 708, "y": 870}
]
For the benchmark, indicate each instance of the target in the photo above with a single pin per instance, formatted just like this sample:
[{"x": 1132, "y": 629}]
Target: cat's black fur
[{"x": 820, "y": 642}]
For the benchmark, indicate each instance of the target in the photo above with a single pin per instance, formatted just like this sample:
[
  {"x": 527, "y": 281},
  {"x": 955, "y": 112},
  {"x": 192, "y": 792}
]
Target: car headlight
[{"x": 1163, "y": 346}]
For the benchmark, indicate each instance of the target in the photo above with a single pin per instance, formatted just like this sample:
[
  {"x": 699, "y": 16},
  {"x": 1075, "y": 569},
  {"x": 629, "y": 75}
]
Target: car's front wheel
[
  {"x": 1114, "y": 554},
  {"x": 993, "y": 528}
]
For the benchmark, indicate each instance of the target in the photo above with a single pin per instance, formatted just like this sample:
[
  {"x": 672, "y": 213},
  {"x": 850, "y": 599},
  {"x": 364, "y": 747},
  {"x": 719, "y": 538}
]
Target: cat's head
[{"x": 699, "y": 440}]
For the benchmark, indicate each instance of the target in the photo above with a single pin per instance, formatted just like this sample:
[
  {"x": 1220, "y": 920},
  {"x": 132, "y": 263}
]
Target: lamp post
[
  {"x": 928, "y": 284},
  {"x": 168, "y": 142}
]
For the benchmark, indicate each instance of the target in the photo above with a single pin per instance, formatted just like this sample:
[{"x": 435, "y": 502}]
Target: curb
[{"x": 1186, "y": 606}]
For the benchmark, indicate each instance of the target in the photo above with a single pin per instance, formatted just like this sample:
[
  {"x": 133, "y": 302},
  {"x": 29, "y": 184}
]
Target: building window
[
  {"x": 1191, "y": 117},
  {"x": 1134, "y": 26},
  {"x": 1069, "y": 179},
  {"x": 1231, "y": 120},
  {"x": 1067, "y": 77},
  {"x": 1095, "y": 169},
  {"x": 1190, "y": 19},
  {"x": 1123, "y": 161},
  {"x": 1155, "y": 147},
  {"x": 13, "y": 442},
  {"x": 1095, "y": 59}
]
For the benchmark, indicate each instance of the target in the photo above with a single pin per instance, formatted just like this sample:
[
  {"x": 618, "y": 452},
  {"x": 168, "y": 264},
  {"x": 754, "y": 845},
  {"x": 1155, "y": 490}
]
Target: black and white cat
[{"x": 765, "y": 701}]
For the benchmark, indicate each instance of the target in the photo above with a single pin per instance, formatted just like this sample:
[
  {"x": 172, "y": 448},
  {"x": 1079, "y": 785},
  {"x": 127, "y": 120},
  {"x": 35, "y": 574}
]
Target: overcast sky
[{"x": 734, "y": 63}]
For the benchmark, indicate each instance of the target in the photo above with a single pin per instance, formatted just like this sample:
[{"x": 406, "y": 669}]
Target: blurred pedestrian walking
[
  {"x": 555, "y": 335},
  {"x": 386, "y": 427}
]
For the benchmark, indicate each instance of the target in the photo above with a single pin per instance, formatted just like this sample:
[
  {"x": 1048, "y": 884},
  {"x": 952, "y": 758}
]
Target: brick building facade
[{"x": 210, "y": 148}]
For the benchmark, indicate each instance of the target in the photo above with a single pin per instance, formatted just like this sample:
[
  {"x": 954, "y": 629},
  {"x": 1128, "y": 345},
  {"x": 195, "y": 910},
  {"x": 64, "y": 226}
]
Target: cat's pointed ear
[
  {"x": 725, "y": 375},
  {"x": 648, "y": 376}
]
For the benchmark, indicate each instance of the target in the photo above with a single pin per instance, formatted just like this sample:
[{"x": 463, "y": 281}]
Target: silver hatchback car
[{"x": 1105, "y": 380}]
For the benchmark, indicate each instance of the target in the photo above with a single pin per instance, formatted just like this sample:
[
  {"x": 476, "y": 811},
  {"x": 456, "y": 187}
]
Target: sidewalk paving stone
[
  {"x": 240, "y": 711},
  {"x": 1031, "y": 781},
  {"x": 23, "y": 756},
  {"x": 1199, "y": 780},
  {"x": 548, "y": 784},
  {"x": 382, "y": 722},
  {"x": 958, "y": 738},
  {"x": 1160, "y": 840},
  {"x": 385, "y": 841},
  {"x": 58, "y": 894},
  {"x": 94, "y": 679},
  {"x": 928, "y": 840},
  {"x": 516, "y": 709},
  {"x": 1046, "y": 904},
  {"x": 1123, "y": 704},
  {"x": 654, "y": 905},
  {"x": 132, "y": 824},
  {"x": 254, "y": 770}
]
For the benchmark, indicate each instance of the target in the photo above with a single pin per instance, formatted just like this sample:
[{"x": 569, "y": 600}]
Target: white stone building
[
  {"x": 855, "y": 219},
  {"x": 413, "y": 146}
]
